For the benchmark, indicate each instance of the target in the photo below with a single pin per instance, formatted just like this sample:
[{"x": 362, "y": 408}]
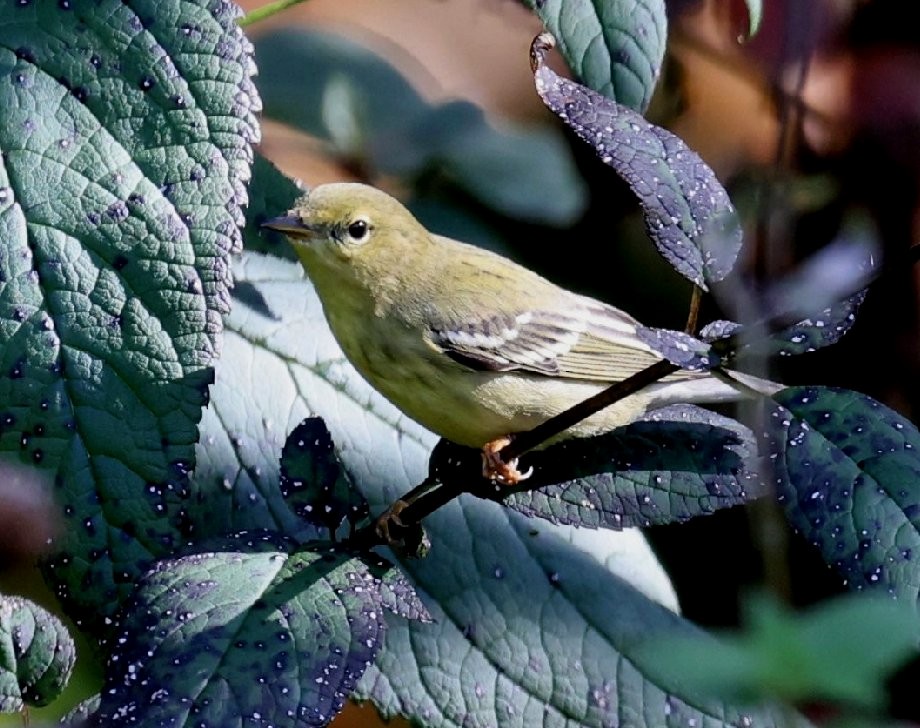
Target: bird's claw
[
  {"x": 389, "y": 522},
  {"x": 406, "y": 539},
  {"x": 496, "y": 469}
]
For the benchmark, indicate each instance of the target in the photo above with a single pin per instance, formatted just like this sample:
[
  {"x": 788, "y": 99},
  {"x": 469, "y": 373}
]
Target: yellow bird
[{"x": 466, "y": 342}]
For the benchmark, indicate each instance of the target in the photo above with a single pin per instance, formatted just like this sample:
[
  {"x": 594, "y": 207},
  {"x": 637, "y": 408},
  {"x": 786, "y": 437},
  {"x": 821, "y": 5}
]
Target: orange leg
[{"x": 494, "y": 466}]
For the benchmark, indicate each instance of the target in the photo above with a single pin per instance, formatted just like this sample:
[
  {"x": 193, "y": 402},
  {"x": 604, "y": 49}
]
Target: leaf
[
  {"x": 824, "y": 328},
  {"x": 36, "y": 655},
  {"x": 400, "y": 597},
  {"x": 372, "y": 117},
  {"x": 715, "y": 330},
  {"x": 615, "y": 48},
  {"x": 271, "y": 193},
  {"x": 81, "y": 713},
  {"x": 680, "y": 348},
  {"x": 840, "y": 651},
  {"x": 522, "y": 173},
  {"x": 526, "y": 603},
  {"x": 680, "y": 462},
  {"x": 755, "y": 15},
  {"x": 387, "y": 98},
  {"x": 813, "y": 306},
  {"x": 250, "y": 631},
  {"x": 812, "y": 333},
  {"x": 688, "y": 214},
  {"x": 847, "y": 469},
  {"x": 313, "y": 481},
  {"x": 822, "y": 295},
  {"x": 548, "y": 636},
  {"x": 125, "y": 129}
]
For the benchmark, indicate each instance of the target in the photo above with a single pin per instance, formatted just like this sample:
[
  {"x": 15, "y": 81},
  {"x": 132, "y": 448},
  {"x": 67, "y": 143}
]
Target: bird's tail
[{"x": 710, "y": 387}]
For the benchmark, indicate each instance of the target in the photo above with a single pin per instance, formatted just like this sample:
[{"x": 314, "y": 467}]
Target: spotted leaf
[
  {"x": 125, "y": 131},
  {"x": 680, "y": 348},
  {"x": 36, "y": 655},
  {"x": 688, "y": 214},
  {"x": 721, "y": 328},
  {"x": 680, "y": 462},
  {"x": 824, "y": 328},
  {"x": 82, "y": 712},
  {"x": 313, "y": 481},
  {"x": 251, "y": 631},
  {"x": 847, "y": 469}
]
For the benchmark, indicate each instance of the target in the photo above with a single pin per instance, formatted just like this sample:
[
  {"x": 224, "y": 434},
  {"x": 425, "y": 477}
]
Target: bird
[{"x": 468, "y": 343}]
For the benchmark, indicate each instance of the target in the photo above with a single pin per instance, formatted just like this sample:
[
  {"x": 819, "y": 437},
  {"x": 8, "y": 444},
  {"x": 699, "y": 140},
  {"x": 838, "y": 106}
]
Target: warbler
[{"x": 466, "y": 342}]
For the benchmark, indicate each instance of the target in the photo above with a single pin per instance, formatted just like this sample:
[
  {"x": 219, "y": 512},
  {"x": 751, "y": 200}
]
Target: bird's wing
[{"x": 588, "y": 340}]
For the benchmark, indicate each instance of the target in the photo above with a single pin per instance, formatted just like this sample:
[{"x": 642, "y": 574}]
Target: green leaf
[
  {"x": 840, "y": 651},
  {"x": 547, "y": 634},
  {"x": 529, "y": 605},
  {"x": 313, "y": 481},
  {"x": 82, "y": 711},
  {"x": 614, "y": 46},
  {"x": 271, "y": 193},
  {"x": 296, "y": 98},
  {"x": 688, "y": 214},
  {"x": 847, "y": 469},
  {"x": 36, "y": 655},
  {"x": 816, "y": 304},
  {"x": 251, "y": 630},
  {"x": 755, "y": 15},
  {"x": 680, "y": 462},
  {"x": 824, "y": 328},
  {"x": 522, "y": 173},
  {"x": 400, "y": 597},
  {"x": 125, "y": 129},
  {"x": 371, "y": 116},
  {"x": 827, "y": 327}
]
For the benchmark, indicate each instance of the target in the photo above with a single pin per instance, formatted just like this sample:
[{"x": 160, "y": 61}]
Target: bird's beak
[{"x": 290, "y": 225}]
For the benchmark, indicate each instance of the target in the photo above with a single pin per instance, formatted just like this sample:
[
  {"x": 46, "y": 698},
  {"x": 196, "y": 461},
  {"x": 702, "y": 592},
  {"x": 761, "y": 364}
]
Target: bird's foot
[
  {"x": 406, "y": 539},
  {"x": 390, "y": 521},
  {"x": 494, "y": 466}
]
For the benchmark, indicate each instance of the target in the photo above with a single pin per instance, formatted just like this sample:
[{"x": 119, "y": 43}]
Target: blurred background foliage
[{"x": 813, "y": 121}]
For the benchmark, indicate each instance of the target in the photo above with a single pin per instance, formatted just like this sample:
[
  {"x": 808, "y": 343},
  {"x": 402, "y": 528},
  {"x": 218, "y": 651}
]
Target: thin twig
[
  {"x": 572, "y": 416},
  {"x": 266, "y": 11},
  {"x": 427, "y": 503},
  {"x": 693, "y": 317}
]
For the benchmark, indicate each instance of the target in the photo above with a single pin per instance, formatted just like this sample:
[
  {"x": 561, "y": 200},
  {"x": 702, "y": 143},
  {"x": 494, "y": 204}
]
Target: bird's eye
[{"x": 358, "y": 230}]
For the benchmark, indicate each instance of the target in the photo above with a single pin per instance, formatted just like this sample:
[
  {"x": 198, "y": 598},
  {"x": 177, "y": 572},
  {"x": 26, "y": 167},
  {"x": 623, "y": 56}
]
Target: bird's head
[{"x": 349, "y": 228}]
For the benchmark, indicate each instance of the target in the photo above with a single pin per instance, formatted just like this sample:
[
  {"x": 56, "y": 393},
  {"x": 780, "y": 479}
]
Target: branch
[
  {"x": 266, "y": 11},
  {"x": 564, "y": 420},
  {"x": 693, "y": 318}
]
